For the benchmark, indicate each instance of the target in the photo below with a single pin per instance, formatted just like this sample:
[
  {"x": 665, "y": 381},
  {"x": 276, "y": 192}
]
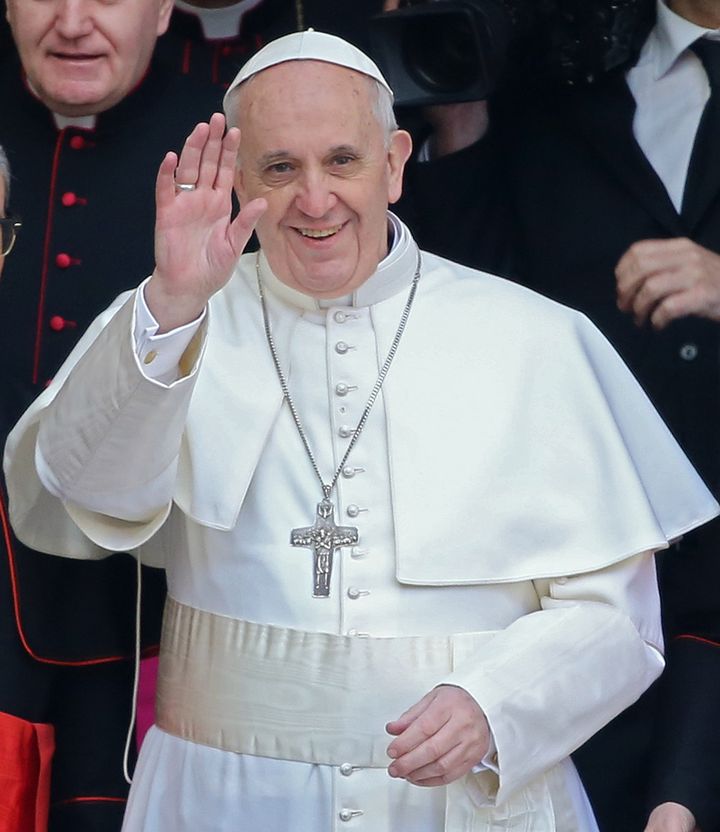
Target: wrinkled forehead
[{"x": 303, "y": 88}]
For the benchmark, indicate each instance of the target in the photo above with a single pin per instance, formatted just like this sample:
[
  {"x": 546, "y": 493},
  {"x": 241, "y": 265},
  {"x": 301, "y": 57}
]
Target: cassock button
[
  {"x": 345, "y": 431},
  {"x": 689, "y": 352},
  {"x": 58, "y": 323},
  {"x": 63, "y": 260},
  {"x": 78, "y": 143},
  {"x": 340, "y": 317},
  {"x": 69, "y": 199},
  {"x": 349, "y": 814},
  {"x": 562, "y": 580},
  {"x": 354, "y": 593},
  {"x": 346, "y": 769},
  {"x": 341, "y": 348},
  {"x": 352, "y": 510}
]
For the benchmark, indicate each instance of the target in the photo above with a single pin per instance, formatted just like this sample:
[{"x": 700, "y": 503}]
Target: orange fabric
[{"x": 26, "y": 751}]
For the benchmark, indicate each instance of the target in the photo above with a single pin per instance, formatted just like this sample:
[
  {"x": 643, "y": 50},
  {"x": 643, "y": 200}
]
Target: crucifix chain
[{"x": 324, "y": 537}]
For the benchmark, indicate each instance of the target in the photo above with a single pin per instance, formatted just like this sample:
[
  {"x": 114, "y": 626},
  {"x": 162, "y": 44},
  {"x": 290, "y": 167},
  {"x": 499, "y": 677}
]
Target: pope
[{"x": 407, "y": 510}]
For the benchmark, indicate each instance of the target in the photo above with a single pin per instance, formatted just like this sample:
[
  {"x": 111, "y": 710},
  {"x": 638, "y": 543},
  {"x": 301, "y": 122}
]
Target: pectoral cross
[{"x": 323, "y": 538}]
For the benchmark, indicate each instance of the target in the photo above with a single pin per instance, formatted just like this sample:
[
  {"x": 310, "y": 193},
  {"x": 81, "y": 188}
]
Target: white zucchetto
[{"x": 308, "y": 46}]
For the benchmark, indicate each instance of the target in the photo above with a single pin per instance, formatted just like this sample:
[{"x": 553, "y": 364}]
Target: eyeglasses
[{"x": 9, "y": 227}]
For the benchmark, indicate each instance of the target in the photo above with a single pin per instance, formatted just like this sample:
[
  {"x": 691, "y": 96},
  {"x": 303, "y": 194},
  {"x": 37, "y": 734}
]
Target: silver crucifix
[{"x": 323, "y": 538}]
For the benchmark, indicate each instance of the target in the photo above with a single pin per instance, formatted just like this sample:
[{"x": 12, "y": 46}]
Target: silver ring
[{"x": 185, "y": 186}]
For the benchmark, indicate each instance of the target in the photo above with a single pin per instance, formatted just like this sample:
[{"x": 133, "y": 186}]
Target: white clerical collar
[
  {"x": 219, "y": 24},
  {"x": 81, "y": 122},
  {"x": 669, "y": 38},
  {"x": 393, "y": 274}
]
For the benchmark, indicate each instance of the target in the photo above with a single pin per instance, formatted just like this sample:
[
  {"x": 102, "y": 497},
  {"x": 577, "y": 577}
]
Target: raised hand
[
  {"x": 196, "y": 243},
  {"x": 439, "y": 739}
]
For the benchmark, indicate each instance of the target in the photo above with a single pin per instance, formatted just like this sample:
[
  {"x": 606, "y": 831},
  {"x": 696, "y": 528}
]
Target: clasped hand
[
  {"x": 662, "y": 280},
  {"x": 439, "y": 739},
  {"x": 196, "y": 241},
  {"x": 671, "y": 817}
]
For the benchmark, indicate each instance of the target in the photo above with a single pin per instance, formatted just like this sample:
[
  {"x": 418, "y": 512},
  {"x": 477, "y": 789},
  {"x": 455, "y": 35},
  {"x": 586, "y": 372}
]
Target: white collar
[
  {"x": 393, "y": 274},
  {"x": 669, "y": 38},
  {"x": 81, "y": 122},
  {"x": 222, "y": 23}
]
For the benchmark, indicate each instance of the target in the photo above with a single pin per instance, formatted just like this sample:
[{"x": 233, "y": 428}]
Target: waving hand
[{"x": 196, "y": 242}]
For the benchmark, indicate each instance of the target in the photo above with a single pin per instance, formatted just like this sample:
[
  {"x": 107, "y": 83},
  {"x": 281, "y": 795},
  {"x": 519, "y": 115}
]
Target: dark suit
[
  {"x": 582, "y": 193},
  {"x": 86, "y": 198}
]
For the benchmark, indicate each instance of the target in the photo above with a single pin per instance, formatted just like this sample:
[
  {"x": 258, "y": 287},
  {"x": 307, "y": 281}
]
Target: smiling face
[
  {"x": 313, "y": 147},
  {"x": 83, "y": 56}
]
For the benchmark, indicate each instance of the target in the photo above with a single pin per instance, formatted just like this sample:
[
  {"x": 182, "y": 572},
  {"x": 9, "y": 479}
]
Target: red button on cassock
[
  {"x": 77, "y": 143},
  {"x": 58, "y": 323},
  {"x": 69, "y": 199},
  {"x": 63, "y": 261}
]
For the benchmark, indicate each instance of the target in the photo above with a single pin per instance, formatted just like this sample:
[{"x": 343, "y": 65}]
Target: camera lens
[{"x": 440, "y": 53}]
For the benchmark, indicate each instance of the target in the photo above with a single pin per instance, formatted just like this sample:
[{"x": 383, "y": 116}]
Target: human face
[
  {"x": 313, "y": 148},
  {"x": 83, "y": 56}
]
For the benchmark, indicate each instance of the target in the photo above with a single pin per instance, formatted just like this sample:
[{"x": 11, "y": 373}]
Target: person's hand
[
  {"x": 671, "y": 817},
  {"x": 196, "y": 244},
  {"x": 662, "y": 280},
  {"x": 439, "y": 739}
]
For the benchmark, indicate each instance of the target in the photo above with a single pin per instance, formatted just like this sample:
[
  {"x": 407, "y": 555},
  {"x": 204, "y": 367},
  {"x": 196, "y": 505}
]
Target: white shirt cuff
[{"x": 159, "y": 355}]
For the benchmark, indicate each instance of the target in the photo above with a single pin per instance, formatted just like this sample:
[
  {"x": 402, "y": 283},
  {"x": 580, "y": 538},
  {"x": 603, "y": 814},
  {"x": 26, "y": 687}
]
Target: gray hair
[
  {"x": 5, "y": 175},
  {"x": 382, "y": 107}
]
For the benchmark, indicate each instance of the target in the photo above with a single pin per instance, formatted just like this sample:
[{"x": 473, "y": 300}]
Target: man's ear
[
  {"x": 398, "y": 153},
  {"x": 164, "y": 12}
]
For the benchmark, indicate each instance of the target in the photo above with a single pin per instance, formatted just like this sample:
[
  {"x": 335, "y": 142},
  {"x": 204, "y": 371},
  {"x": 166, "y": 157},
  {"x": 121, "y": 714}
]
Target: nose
[
  {"x": 73, "y": 19},
  {"x": 315, "y": 197}
]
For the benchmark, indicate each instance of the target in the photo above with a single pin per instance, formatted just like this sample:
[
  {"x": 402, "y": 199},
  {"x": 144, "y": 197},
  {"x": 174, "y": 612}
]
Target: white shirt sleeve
[{"x": 160, "y": 355}]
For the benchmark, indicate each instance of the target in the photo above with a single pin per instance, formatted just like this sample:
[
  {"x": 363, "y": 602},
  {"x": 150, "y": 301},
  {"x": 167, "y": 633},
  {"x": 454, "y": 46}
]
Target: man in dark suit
[
  {"x": 613, "y": 191},
  {"x": 616, "y": 194},
  {"x": 87, "y": 114}
]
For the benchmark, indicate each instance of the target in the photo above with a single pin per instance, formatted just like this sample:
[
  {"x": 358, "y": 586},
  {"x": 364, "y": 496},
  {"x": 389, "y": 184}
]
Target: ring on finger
[{"x": 185, "y": 186}]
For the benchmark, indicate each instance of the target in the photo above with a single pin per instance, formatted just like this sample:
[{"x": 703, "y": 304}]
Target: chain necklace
[{"x": 324, "y": 537}]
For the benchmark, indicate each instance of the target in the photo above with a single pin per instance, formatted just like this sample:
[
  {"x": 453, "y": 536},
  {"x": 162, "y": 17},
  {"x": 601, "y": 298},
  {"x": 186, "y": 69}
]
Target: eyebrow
[
  {"x": 274, "y": 156},
  {"x": 283, "y": 155},
  {"x": 344, "y": 148}
]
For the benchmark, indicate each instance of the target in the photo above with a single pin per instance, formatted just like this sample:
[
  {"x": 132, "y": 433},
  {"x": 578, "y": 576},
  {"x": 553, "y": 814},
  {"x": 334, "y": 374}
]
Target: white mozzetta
[{"x": 509, "y": 481}]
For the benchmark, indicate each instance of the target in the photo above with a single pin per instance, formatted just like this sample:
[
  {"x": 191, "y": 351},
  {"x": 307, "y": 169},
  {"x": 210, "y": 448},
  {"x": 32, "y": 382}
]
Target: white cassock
[{"x": 508, "y": 487}]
